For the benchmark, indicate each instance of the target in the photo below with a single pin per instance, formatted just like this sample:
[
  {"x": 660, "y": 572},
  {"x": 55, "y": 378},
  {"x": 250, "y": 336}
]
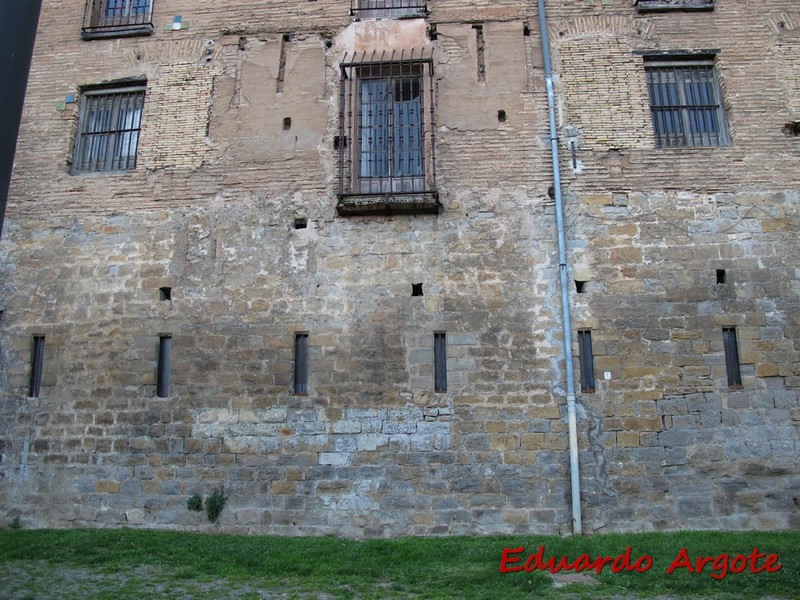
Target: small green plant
[
  {"x": 215, "y": 503},
  {"x": 195, "y": 503},
  {"x": 15, "y": 524}
]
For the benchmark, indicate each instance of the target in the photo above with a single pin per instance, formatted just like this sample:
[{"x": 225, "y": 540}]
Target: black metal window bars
[
  {"x": 685, "y": 103},
  {"x": 108, "y": 132},
  {"x": 387, "y": 125},
  {"x": 387, "y": 9},
  {"x": 667, "y": 5},
  {"x": 117, "y": 18}
]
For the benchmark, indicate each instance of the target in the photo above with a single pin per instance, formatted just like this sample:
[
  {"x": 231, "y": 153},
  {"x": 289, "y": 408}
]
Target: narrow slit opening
[
  {"x": 440, "y": 362},
  {"x": 586, "y": 361},
  {"x": 164, "y": 365},
  {"x": 282, "y": 64},
  {"x": 480, "y": 47},
  {"x": 300, "y": 385},
  {"x": 730, "y": 345},
  {"x": 37, "y": 365}
]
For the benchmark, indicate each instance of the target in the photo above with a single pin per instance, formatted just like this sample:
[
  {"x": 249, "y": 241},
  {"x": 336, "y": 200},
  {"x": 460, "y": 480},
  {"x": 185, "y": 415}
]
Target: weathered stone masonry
[{"x": 670, "y": 244}]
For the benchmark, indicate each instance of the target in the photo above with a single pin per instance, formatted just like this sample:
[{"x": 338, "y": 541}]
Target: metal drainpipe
[{"x": 566, "y": 321}]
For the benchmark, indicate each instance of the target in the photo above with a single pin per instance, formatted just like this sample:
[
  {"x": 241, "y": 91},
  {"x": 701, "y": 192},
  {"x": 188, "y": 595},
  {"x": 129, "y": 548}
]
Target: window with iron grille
[
  {"x": 386, "y": 132},
  {"x": 117, "y": 18},
  {"x": 667, "y": 5},
  {"x": 108, "y": 131},
  {"x": 387, "y": 9},
  {"x": 685, "y": 102}
]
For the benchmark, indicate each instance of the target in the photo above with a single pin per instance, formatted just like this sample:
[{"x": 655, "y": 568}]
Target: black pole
[{"x": 18, "y": 21}]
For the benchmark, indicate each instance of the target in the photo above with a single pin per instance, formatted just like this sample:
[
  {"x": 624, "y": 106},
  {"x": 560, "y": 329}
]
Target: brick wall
[{"x": 238, "y": 145}]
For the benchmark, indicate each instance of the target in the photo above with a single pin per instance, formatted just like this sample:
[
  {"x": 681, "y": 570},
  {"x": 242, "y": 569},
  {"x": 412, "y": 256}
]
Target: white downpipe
[{"x": 566, "y": 321}]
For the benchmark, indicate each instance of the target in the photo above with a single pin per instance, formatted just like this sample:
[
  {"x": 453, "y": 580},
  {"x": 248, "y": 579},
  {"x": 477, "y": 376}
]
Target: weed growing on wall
[
  {"x": 195, "y": 503},
  {"x": 215, "y": 503}
]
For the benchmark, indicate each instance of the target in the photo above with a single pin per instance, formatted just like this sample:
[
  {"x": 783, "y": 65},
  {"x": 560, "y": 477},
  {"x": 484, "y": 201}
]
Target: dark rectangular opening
[
  {"x": 722, "y": 276},
  {"x": 792, "y": 129},
  {"x": 586, "y": 361},
  {"x": 282, "y": 66},
  {"x": 732, "y": 367},
  {"x": 480, "y": 49},
  {"x": 164, "y": 365},
  {"x": 440, "y": 362},
  {"x": 165, "y": 293},
  {"x": 416, "y": 289},
  {"x": 37, "y": 364},
  {"x": 300, "y": 223},
  {"x": 301, "y": 363}
]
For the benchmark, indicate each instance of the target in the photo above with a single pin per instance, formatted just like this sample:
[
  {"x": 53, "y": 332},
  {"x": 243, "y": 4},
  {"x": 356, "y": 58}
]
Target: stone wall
[{"x": 670, "y": 245}]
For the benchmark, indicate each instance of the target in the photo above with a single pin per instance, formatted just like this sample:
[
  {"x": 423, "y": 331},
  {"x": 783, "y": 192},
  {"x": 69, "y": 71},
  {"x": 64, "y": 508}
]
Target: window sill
[
  {"x": 674, "y": 5},
  {"x": 73, "y": 173},
  {"x": 687, "y": 149},
  {"x": 417, "y": 15},
  {"x": 101, "y": 33},
  {"x": 388, "y": 204}
]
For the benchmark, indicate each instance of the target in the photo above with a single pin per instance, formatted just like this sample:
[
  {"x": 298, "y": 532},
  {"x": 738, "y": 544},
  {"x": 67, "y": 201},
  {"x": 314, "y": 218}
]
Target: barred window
[
  {"x": 667, "y": 5},
  {"x": 116, "y": 18},
  {"x": 387, "y": 9},
  {"x": 685, "y": 102},
  {"x": 386, "y": 133},
  {"x": 108, "y": 131}
]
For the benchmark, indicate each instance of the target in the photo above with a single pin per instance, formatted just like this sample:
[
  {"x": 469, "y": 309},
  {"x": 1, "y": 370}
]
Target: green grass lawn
[{"x": 125, "y": 563}]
